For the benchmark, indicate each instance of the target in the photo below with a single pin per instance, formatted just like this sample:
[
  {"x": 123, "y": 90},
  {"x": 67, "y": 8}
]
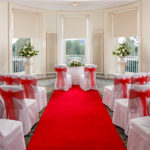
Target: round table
[{"x": 75, "y": 73}]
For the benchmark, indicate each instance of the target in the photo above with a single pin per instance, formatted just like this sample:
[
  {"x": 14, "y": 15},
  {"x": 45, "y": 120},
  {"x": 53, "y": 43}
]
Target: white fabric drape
[
  {"x": 125, "y": 23},
  {"x": 26, "y": 24},
  {"x": 75, "y": 27}
]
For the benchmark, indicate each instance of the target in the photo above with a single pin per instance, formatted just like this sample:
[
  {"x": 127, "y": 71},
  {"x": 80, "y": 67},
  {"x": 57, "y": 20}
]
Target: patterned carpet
[{"x": 49, "y": 84}]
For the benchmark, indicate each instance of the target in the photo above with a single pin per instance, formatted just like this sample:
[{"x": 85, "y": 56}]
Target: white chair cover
[
  {"x": 139, "y": 134},
  {"x": 120, "y": 87},
  {"x": 118, "y": 91},
  {"x": 18, "y": 108},
  {"x": 11, "y": 135},
  {"x": 88, "y": 79},
  {"x": 32, "y": 91},
  {"x": 63, "y": 80},
  {"x": 108, "y": 96},
  {"x": 138, "y": 106},
  {"x": 121, "y": 105}
]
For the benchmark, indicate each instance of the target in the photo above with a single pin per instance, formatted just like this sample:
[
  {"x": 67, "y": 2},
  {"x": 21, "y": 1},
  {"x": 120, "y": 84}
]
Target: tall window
[
  {"x": 132, "y": 59},
  {"x": 74, "y": 35},
  {"x": 18, "y": 62},
  {"x": 75, "y": 50}
]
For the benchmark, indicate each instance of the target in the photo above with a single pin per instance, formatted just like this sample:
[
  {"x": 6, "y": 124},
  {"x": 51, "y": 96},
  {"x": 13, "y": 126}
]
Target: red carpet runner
[{"x": 75, "y": 120}]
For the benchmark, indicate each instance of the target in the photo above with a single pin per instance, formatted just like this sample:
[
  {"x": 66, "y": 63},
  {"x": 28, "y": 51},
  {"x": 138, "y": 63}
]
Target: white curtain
[
  {"x": 26, "y": 24},
  {"x": 75, "y": 27},
  {"x": 125, "y": 23}
]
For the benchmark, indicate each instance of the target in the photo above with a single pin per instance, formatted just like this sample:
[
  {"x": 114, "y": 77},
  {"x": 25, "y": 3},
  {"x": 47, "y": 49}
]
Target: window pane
[
  {"x": 75, "y": 50},
  {"x": 18, "y": 62}
]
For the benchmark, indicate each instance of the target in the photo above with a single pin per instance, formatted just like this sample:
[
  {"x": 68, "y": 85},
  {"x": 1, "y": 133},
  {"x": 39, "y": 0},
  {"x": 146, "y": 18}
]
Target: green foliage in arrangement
[
  {"x": 28, "y": 50},
  {"x": 75, "y": 63},
  {"x": 122, "y": 50}
]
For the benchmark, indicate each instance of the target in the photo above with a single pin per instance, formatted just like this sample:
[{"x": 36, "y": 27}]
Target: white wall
[
  {"x": 4, "y": 37},
  {"x": 145, "y": 41},
  {"x": 98, "y": 39}
]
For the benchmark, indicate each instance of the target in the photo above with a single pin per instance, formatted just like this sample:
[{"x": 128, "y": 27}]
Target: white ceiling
[{"x": 66, "y": 4}]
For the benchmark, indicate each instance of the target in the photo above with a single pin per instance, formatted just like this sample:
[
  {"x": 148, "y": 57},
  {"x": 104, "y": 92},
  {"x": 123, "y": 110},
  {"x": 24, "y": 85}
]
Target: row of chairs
[
  {"x": 129, "y": 98},
  {"x": 20, "y": 101},
  {"x": 64, "y": 80}
]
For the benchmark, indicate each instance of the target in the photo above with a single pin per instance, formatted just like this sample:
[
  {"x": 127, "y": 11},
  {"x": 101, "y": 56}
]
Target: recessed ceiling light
[{"x": 75, "y": 4}]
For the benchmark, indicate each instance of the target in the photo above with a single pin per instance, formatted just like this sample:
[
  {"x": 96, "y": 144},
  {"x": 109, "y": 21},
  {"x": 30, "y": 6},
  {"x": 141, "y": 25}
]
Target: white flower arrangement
[
  {"x": 123, "y": 50},
  {"x": 75, "y": 63},
  {"x": 28, "y": 50}
]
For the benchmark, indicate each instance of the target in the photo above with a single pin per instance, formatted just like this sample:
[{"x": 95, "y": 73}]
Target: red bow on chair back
[
  {"x": 60, "y": 77},
  {"x": 10, "y": 81},
  {"x": 9, "y": 103},
  {"x": 141, "y": 80},
  {"x": 29, "y": 87},
  {"x": 124, "y": 83},
  {"x": 91, "y": 70},
  {"x": 142, "y": 95}
]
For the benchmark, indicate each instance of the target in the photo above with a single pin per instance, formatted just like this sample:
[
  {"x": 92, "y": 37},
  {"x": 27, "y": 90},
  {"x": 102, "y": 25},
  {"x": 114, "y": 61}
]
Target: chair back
[
  {"x": 90, "y": 74},
  {"x": 139, "y": 96},
  {"x": 11, "y": 79},
  {"x": 13, "y": 97},
  {"x": 29, "y": 84},
  {"x": 61, "y": 71},
  {"x": 139, "y": 78},
  {"x": 120, "y": 86}
]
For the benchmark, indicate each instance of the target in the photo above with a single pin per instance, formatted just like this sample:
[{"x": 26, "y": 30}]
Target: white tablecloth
[{"x": 75, "y": 73}]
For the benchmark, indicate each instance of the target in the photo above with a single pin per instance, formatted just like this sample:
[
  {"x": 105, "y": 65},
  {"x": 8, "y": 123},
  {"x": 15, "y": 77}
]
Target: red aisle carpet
[{"x": 75, "y": 120}]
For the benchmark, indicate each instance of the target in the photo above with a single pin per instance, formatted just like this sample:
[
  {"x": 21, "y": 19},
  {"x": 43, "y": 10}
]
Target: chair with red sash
[
  {"x": 11, "y": 79},
  {"x": 88, "y": 79},
  {"x": 7, "y": 79},
  {"x": 32, "y": 91},
  {"x": 18, "y": 108},
  {"x": 121, "y": 105},
  {"x": 11, "y": 135},
  {"x": 63, "y": 80},
  {"x": 117, "y": 91},
  {"x": 138, "y": 104}
]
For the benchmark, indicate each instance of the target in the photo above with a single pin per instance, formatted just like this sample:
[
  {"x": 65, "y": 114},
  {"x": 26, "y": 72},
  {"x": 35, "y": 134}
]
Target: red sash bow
[
  {"x": 139, "y": 79},
  {"x": 9, "y": 80},
  {"x": 124, "y": 83},
  {"x": 91, "y": 70},
  {"x": 28, "y": 87},
  {"x": 142, "y": 95},
  {"x": 60, "y": 77},
  {"x": 9, "y": 103}
]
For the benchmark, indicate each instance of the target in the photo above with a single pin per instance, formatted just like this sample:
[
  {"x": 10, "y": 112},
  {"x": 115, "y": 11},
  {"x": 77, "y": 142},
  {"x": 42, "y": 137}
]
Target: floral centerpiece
[
  {"x": 75, "y": 63},
  {"x": 28, "y": 50},
  {"x": 122, "y": 51}
]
